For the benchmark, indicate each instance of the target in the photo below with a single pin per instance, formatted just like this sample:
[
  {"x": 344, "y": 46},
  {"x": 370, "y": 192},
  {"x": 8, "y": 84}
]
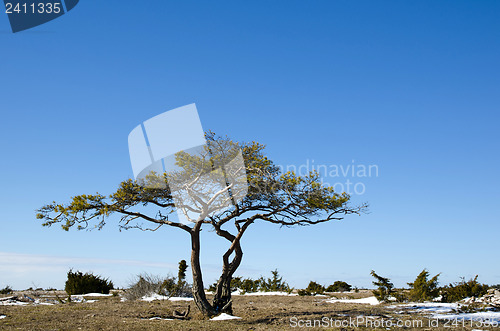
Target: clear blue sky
[{"x": 410, "y": 86}]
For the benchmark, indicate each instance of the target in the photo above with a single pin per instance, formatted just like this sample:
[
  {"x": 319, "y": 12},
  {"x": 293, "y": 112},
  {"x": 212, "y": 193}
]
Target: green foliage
[
  {"x": 179, "y": 288},
  {"x": 274, "y": 284},
  {"x": 247, "y": 285},
  {"x": 169, "y": 287},
  {"x": 80, "y": 283},
  {"x": 6, "y": 290},
  {"x": 385, "y": 288},
  {"x": 181, "y": 275},
  {"x": 463, "y": 289},
  {"x": 312, "y": 289},
  {"x": 423, "y": 288},
  {"x": 339, "y": 286},
  {"x": 182, "y": 288},
  {"x": 401, "y": 295},
  {"x": 286, "y": 199}
]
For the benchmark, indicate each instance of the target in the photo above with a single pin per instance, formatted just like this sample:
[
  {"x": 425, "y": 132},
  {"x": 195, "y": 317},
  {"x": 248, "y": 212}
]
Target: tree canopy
[{"x": 265, "y": 194}]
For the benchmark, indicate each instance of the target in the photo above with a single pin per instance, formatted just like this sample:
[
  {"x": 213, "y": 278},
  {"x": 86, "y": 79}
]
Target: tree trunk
[
  {"x": 198, "y": 289},
  {"x": 222, "y": 298}
]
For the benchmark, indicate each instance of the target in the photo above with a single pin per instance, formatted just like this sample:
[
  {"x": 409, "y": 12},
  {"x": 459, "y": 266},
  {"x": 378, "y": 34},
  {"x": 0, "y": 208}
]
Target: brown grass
[{"x": 257, "y": 312}]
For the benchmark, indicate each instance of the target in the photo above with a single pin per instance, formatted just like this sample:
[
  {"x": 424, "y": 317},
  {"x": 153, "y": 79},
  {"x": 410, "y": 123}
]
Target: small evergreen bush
[
  {"x": 339, "y": 286},
  {"x": 248, "y": 285},
  {"x": 6, "y": 290},
  {"x": 183, "y": 289},
  {"x": 274, "y": 284},
  {"x": 463, "y": 289},
  {"x": 312, "y": 288},
  {"x": 385, "y": 288},
  {"x": 424, "y": 289},
  {"x": 80, "y": 283}
]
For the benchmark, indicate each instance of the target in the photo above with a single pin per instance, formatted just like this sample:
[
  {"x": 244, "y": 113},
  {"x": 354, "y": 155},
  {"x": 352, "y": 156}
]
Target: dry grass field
[{"x": 256, "y": 312}]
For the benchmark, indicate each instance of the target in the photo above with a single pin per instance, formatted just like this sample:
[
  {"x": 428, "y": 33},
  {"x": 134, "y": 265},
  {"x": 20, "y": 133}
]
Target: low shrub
[
  {"x": 6, "y": 290},
  {"x": 463, "y": 289},
  {"x": 273, "y": 284},
  {"x": 147, "y": 284},
  {"x": 312, "y": 288},
  {"x": 80, "y": 283},
  {"x": 246, "y": 285},
  {"x": 339, "y": 286}
]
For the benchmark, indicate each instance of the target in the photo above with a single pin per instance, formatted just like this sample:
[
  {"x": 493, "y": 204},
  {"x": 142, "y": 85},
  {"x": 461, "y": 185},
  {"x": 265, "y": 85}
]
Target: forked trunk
[{"x": 222, "y": 302}]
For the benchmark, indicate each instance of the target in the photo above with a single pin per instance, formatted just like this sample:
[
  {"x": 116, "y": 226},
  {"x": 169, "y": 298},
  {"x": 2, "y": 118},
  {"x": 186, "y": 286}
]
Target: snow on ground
[
  {"x": 370, "y": 300},
  {"x": 160, "y": 319},
  {"x": 95, "y": 295},
  {"x": 155, "y": 296},
  {"x": 429, "y": 307},
  {"x": 180, "y": 299},
  {"x": 224, "y": 317},
  {"x": 13, "y": 302},
  {"x": 441, "y": 310},
  {"x": 239, "y": 292},
  {"x": 2, "y": 317},
  {"x": 38, "y": 302}
]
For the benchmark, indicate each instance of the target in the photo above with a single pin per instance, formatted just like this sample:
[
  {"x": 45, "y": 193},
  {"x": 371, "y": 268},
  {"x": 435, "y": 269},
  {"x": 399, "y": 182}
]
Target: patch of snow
[
  {"x": 224, "y": 317},
  {"x": 160, "y": 319},
  {"x": 13, "y": 303},
  {"x": 430, "y": 307},
  {"x": 2, "y": 317},
  {"x": 96, "y": 295},
  {"x": 370, "y": 300},
  {"x": 91, "y": 301},
  {"x": 180, "y": 299},
  {"x": 156, "y": 296},
  {"x": 272, "y": 293}
]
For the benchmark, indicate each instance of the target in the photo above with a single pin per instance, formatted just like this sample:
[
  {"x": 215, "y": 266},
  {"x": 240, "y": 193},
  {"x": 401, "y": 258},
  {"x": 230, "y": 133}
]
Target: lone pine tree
[{"x": 284, "y": 199}]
